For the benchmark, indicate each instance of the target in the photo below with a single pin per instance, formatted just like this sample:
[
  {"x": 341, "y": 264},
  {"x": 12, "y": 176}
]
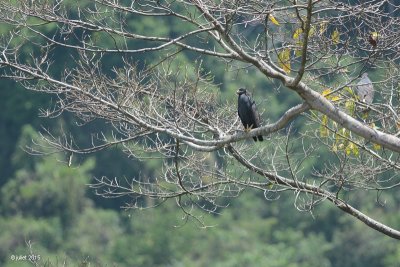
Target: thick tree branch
[{"x": 307, "y": 188}]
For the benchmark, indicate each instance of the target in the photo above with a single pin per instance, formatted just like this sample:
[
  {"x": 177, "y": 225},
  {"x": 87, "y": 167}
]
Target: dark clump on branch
[{"x": 373, "y": 39}]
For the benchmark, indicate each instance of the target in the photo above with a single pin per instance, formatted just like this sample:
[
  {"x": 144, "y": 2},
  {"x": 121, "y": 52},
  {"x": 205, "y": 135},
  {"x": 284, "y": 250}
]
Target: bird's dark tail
[{"x": 260, "y": 138}]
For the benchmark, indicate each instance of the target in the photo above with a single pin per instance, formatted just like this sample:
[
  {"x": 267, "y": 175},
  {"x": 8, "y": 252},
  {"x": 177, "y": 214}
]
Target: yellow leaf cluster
[
  {"x": 352, "y": 148},
  {"x": 377, "y": 147},
  {"x": 349, "y": 90},
  {"x": 322, "y": 27},
  {"x": 328, "y": 94},
  {"x": 350, "y": 105},
  {"x": 284, "y": 60},
  {"x": 297, "y": 33},
  {"x": 323, "y": 130},
  {"x": 335, "y": 36},
  {"x": 312, "y": 31},
  {"x": 296, "y": 36}
]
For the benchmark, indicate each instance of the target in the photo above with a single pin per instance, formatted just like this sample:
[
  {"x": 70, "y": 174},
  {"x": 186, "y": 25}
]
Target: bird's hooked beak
[{"x": 240, "y": 91}]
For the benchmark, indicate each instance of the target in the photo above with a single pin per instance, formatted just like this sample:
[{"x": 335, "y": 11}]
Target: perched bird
[
  {"x": 365, "y": 89},
  {"x": 247, "y": 112}
]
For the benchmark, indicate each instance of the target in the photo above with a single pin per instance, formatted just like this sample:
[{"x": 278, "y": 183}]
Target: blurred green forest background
[{"x": 48, "y": 209}]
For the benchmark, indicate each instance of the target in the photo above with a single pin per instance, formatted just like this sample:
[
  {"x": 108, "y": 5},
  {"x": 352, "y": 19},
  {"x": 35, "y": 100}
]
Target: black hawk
[{"x": 247, "y": 112}]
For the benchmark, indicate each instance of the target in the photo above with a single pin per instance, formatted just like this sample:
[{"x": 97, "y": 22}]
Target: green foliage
[
  {"x": 370, "y": 247},
  {"x": 47, "y": 191},
  {"x": 93, "y": 235},
  {"x": 45, "y": 234},
  {"x": 148, "y": 248},
  {"x": 252, "y": 232},
  {"x": 22, "y": 108}
]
